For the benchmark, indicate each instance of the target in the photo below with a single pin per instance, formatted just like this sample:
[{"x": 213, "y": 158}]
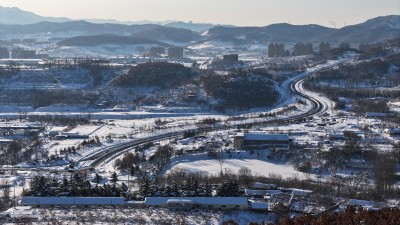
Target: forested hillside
[
  {"x": 241, "y": 90},
  {"x": 158, "y": 74}
]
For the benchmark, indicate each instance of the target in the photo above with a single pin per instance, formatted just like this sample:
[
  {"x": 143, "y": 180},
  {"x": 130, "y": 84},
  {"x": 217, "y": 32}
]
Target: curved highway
[{"x": 317, "y": 107}]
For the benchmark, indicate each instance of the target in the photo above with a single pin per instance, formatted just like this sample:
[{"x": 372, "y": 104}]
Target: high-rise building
[
  {"x": 363, "y": 47},
  {"x": 344, "y": 45},
  {"x": 324, "y": 47},
  {"x": 175, "y": 52},
  {"x": 231, "y": 58},
  {"x": 276, "y": 50},
  {"x": 370, "y": 48},
  {"x": 156, "y": 52},
  {"x": 20, "y": 53},
  {"x": 302, "y": 49},
  {"x": 4, "y": 54}
]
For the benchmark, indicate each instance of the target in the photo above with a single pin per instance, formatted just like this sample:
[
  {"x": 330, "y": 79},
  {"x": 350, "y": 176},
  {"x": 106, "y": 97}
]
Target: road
[{"x": 318, "y": 105}]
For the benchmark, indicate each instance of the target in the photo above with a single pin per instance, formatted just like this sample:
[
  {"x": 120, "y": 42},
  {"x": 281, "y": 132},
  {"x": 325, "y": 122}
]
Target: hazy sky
[{"x": 237, "y": 12}]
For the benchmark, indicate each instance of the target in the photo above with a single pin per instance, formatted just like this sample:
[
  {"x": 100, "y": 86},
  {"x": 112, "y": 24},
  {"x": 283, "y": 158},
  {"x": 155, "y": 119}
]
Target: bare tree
[
  {"x": 5, "y": 193},
  {"x": 221, "y": 161},
  {"x": 385, "y": 168},
  {"x": 355, "y": 181},
  {"x": 245, "y": 176}
]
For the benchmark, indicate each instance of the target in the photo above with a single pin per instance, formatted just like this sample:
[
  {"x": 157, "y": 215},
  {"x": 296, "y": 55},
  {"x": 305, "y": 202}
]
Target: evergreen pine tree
[
  {"x": 124, "y": 190},
  {"x": 114, "y": 178},
  {"x": 97, "y": 179},
  {"x": 195, "y": 188},
  {"x": 145, "y": 186},
  {"x": 132, "y": 170},
  {"x": 208, "y": 190},
  {"x": 175, "y": 190},
  {"x": 64, "y": 185}
]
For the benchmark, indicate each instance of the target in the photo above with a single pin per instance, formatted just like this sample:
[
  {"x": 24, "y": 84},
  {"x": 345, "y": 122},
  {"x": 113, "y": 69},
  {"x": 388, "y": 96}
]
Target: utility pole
[
  {"x": 128, "y": 178},
  {"x": 14, "y": 195}
]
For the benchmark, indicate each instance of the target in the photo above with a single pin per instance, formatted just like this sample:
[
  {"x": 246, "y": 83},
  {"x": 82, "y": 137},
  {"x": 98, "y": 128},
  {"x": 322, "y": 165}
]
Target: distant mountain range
[
  {"x": 16, "y": 16},
  {"x": 378, "y": 29},
  {"x": 83, "y": 28},
  {"x": 273, "y": 33},
  {"x": 15, "y": 23},
  {"x": 109, "y": 39}
]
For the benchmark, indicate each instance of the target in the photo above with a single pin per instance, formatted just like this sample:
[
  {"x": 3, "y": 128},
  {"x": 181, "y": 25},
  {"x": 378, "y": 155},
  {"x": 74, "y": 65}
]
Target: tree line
[
  {"x": 75, "y": 185},
  {"x": 190, "y": 188}
]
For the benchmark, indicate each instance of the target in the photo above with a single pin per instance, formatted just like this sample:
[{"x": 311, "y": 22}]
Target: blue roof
[
  {"x": 266, "y": 137},
  {"x": 199, "y": 200},
  {"x": 72, "y": 201}
]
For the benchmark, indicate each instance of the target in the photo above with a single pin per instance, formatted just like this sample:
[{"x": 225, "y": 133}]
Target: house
[
  {"x": 278, "y": 200},
  {"x": 67, "y": 135},
  {"x": 378, "y": 114},
  {"x": 19, "y": 214},
  {"x": 301, "y": 192},
  {"x": 261, "y": 193},
  {"x": 258, "y": 185},
  {"x": 69, "y": 201},
  {"x": 255, "y": 193},
  {"x": 53, "y": 133},
  {"x": 298, "y": 205},
  {"x": 5, "y": 141},
  {"x": 231, "y": 58},
  {"x": 361, "y": 203},
  {"x": 258, "y": 206},
  {"x": 293, "y": 199},
  {"x": 19, "y": 130},
  {"x": 392, "y": 131},
  {"x": 297, "y": 192},
  {"x": 261, "y": 140},
  {"x": 197, "y": 202},
  {"x": 336, "y": 136}
]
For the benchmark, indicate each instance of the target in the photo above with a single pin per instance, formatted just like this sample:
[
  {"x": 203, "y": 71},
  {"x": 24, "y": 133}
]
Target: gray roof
[
  {"x": 254, "y": 192},
  {"x": 259, "y": 185},
  {"x": 301, "y": 192}
]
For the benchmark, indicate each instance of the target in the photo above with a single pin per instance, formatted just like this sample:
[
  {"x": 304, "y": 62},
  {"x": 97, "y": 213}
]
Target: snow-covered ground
[
  {"x": 127, "y": 125},
  {"x": 108, "y": 50},
  {"x": 138, "y": 216},
  {"x": 232, "y": 163}
]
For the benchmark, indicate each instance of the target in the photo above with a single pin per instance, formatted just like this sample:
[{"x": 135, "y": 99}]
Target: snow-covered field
[
  {"x": 133, "y": 216},
  {"x": 232, "y": 164}
]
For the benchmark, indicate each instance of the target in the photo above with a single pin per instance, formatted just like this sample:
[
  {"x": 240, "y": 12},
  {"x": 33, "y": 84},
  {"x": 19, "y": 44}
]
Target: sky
[{"x": 330, "y": 13}]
